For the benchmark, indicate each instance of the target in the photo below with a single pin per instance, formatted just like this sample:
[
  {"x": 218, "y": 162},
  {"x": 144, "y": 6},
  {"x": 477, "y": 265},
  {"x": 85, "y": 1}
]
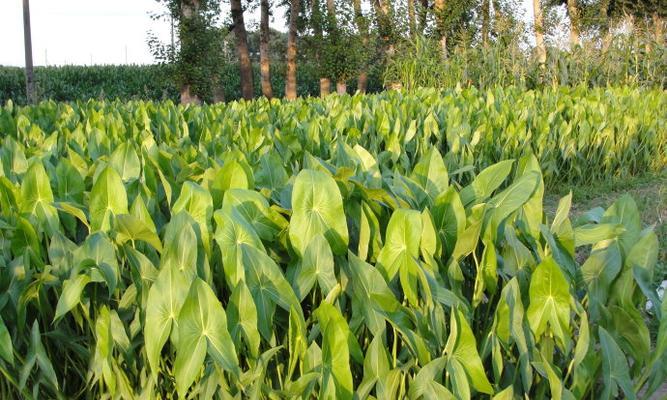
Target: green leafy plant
[{"x": 352, "y": 246}]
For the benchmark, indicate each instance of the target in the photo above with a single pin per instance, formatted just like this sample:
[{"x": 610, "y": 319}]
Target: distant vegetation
[{"x": 146, "y": 82}]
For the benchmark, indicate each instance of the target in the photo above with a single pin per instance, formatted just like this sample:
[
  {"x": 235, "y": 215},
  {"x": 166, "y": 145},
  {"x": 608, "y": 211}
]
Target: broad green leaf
[
  {"x": 376, "y": 362},
  {"x": 641, "y": 260},
  {"x": 631, "y": 332},
  {"x": 234, "y": 174},
  {"x": 549, "y": 301},
  {"x": 614, "y": 368},
  {"x": 70, "y": 184},
  {"x": 165, "y": 300},
  {"x": 317, "y": 208},
  {"x": 624, "y": 211},
  {"x": 196, "y": 202},
  {"x": 37, "y": 198},
  {"x": 71, "y": 295},
  {"x": 317, "y": 265},
  {"x": 335, "y": 353},
  {"x": 431, "y": 174},
  {"x": 254, "y": 208},
  {"x": 268, "y": 287},
  {"x": 235, "y": 236},
  {"x": 562, "y": 212},
  {"x": 450, "y": 218},
  {"x": 532, "y": 211},
  {"x": 509, "y": 319},
  {"x": 594, "y": 233},
  {"x": 462, "y": 346},
  {"x": 74, "y": 211},
  {"x": 468, "y": 240},
  {"x": 180, "y": 246},
  {"x": 426, "y": 385},
  {"x": 401, "y": 250},
  {"x": 37, "y": 355},
  {"x": 202, "y": 329},
  {"x": 598, "y": 272},
  {"x": 242, "y": 318},
  {"x": 107, "y": 200},
  {"x": 126, "y": 162},
  {"x": 510, "y": 200},
  {"x": 6, "y": 346},
  {"x": 131, "y": 228},
  {"x": 485, "y": 183},
  {"x": 271, "y": 173}
]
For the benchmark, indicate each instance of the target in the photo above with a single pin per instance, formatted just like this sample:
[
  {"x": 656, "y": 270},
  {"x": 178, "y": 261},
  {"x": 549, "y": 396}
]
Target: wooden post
[{"x": 29, "y": 74}]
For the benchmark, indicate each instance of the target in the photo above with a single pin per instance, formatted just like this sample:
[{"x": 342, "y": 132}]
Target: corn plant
[{"x": 352, "y": 247}]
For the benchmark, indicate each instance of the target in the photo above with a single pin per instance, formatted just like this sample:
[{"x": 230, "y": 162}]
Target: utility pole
[{"x": 29, "y": 73}]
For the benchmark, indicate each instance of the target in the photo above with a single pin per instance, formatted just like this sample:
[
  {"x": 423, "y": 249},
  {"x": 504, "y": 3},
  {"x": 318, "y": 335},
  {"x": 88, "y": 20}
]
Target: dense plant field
[
  {"x": 387, "y": 246},
  {"x": 146, "y": 82}
]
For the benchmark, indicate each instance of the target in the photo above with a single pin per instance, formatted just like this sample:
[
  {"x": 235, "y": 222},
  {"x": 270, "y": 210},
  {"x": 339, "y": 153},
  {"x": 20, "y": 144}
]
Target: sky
[
  {"x": 88, "y": 32},
  {"x": 85, "y": 32}
]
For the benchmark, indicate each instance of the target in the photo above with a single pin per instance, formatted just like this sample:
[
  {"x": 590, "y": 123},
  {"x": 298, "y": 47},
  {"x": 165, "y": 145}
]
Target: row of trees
[{"x": 344, "y": 38}]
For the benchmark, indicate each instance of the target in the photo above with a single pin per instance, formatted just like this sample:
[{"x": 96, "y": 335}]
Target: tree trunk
[
  {"x": 27, "y": 40},
  {"x": 341, "y": 87},
  {"x": 187, "y": 97},
  {"x": 439, "y": 10},
  {"x": 325, "y": 82},
  {"x": 605, "y": 26},
  {"x": 659, "y": 26},
  {"x": 485, "y": 22},
  {"x": 383, "y": 13},
  {"x": 362, "y": 82},
  {"x": 412, "y": 22},
  {"x": 264, "y": 56},
  {"x": 218, "y": 91},
  {"x": 423, "y": 13},
  {"x": 539, "y": 33},
  {"x": 573, "y": 13},
  {"x": 242, "y": 48},
  {"x": 317, "y": 23},
  {"x": 362, "y": 27},
  {"x": 290, "y": 82},
  {"x": 498, "y": 18},
  {"x": 189, "y": 10},
  {"x": 325, "y": 87}
]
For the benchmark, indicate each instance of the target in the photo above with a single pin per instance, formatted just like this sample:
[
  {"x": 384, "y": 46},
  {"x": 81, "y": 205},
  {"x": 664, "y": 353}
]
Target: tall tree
[
  {"x": 485, "y": 21},
  {"x": 264, "y": 56},
  {"x": 412, "y": 22},
  {"x": 334, "y": 37},
  {"x": 540, "y": 46},
  {"x": 362, "y": 28},
  {"x": 423, "y": 14},
  {"x": 659, "y": 25},
  {"x": 188, "y": 39},
  {"x": 384, "y": 19},
  {"x": 575, "y": 21},
  {"x": 290, "y": 81},
  {"x": 195, "y": 51},
  {"x": 440, "y": 18},
  {"x": 245, "y": 66},
  {"x": 317, "y": 22},
  {"x": 27, "y": 39}
]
